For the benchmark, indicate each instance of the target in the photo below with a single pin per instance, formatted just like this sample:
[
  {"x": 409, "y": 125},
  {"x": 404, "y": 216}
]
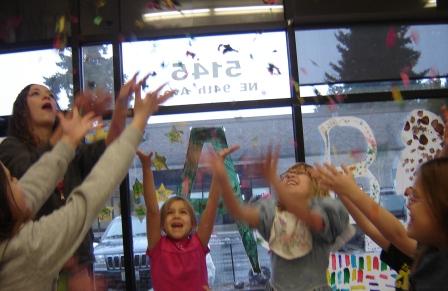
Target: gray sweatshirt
[{"x": 32, "y": 259}]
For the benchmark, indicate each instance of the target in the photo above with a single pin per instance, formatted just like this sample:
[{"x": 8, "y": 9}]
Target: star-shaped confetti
[
  {"x": 175, "y": 135},
  {"x": 159, "y": 162},
  {"x": 163, "y": 193}
]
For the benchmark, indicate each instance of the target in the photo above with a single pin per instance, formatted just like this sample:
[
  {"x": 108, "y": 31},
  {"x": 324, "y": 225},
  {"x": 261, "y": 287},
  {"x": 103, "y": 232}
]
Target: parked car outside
[
  {"x": 109, "y": 258},
  {"x": 393, "y": 202}
]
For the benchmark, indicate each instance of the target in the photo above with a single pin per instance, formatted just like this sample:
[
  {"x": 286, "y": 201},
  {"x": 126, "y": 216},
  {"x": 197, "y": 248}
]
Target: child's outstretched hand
[
  {"x": 269, "y": 165},
  {"x": 216, "y": 159},
  {"x": 97, "y": 100},
  {"x": 145, "y": 159},
  {"x": 341, "y": 182},
  {"x": 74, "y": 127},
  {"x": 144, "y": 108}
]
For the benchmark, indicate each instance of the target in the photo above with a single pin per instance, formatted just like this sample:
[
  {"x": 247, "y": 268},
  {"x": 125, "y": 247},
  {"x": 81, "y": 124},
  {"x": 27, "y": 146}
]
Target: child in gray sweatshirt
[{"x": 33, "y": 252}]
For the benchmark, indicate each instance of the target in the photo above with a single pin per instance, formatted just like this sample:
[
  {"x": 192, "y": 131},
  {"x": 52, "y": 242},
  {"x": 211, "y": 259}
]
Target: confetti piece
[
  {"x": 97, "y": 20},
  {"x": 273, "y": 70},
  {"x": 396, "y": 95},
  {"x": 100, "y": 3},
  {"x": 391, "y": 37},
  {"x": 226, "y": 48},
  {"x": 404, "y": 78},
  {"x": 190, "y": 54},
  {"x": 139, "y": 23}
]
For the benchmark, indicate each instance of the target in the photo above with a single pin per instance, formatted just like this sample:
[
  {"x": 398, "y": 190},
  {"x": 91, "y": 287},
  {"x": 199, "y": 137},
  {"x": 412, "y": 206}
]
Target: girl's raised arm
[
  {"x": 245, "y": 213},
  {"x": 390, "y": 227},
  {"x": 152, "y": 205},
  {"x": 207, "y": 222}
]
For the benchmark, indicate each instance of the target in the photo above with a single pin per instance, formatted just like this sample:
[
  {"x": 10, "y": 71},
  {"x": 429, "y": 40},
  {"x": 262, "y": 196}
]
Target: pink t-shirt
[{"x": 178, "y": 265}]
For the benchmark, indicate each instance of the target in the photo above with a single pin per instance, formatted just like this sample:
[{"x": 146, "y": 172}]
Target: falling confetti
[
  {"x": 139, "y": 23},
  {"x": 97, "y": 20},
  {"x": 163, "y": 193},
  {"x": 270, "y": 2},
  {"x": 226, "y": 48},
  {"x": 100, "y": 3},
  {"x": 273, "y": 69},
  {"x": 396, "y": 95},
  {"x": 314, "y": 63},
  {"x": 190, "y": 54},
  {"x": 159, "y": 162},
  {"x": 175, "y": 135},
  {"x": 404, "y": 78},
  {"x": 391, "y": 37},
  {"x": 331, "y": 104}
]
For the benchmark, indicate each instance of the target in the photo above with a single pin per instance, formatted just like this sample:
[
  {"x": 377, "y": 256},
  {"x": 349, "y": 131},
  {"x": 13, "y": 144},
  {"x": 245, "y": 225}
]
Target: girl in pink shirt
[{"x": 178, "y": 257}]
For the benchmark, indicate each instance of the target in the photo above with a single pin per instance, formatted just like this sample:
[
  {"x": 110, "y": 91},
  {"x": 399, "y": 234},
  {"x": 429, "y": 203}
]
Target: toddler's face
[
  {"x": 178, "y": 221},
  {"x": 299, "y": 182}
]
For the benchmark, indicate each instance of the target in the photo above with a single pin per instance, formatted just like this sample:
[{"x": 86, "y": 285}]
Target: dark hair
[
  {"x": 433, "y": 178},
  {"x": 6, "y": 217},
  {"x": 18, "y": 125},
  {"x": 167, "y": 204}
]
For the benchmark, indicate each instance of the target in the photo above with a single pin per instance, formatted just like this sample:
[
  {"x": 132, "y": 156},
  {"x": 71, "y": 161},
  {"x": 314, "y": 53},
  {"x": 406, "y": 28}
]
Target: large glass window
[
  {"x": 170, "y": 138},
  {"x": 209, "y": 69},
  {"x": 52, "y": 68},
  {"x": 361, "y": 59}
]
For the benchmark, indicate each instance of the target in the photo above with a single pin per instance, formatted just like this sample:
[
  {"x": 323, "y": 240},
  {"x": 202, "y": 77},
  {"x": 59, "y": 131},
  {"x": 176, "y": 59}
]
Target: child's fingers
[
  {"x": 157, "y": 91},
  {"x": 227, "y": 151},
  {"x": 347, "y": 170},
  {"x": 165, "y": 96},
  {"x": 331, "y": 169}
]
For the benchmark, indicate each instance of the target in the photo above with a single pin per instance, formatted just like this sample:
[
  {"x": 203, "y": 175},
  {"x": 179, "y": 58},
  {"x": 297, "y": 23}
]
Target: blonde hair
[
  {"x": 304, "y": 168},
  {"x": 167, "y": 204}
]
